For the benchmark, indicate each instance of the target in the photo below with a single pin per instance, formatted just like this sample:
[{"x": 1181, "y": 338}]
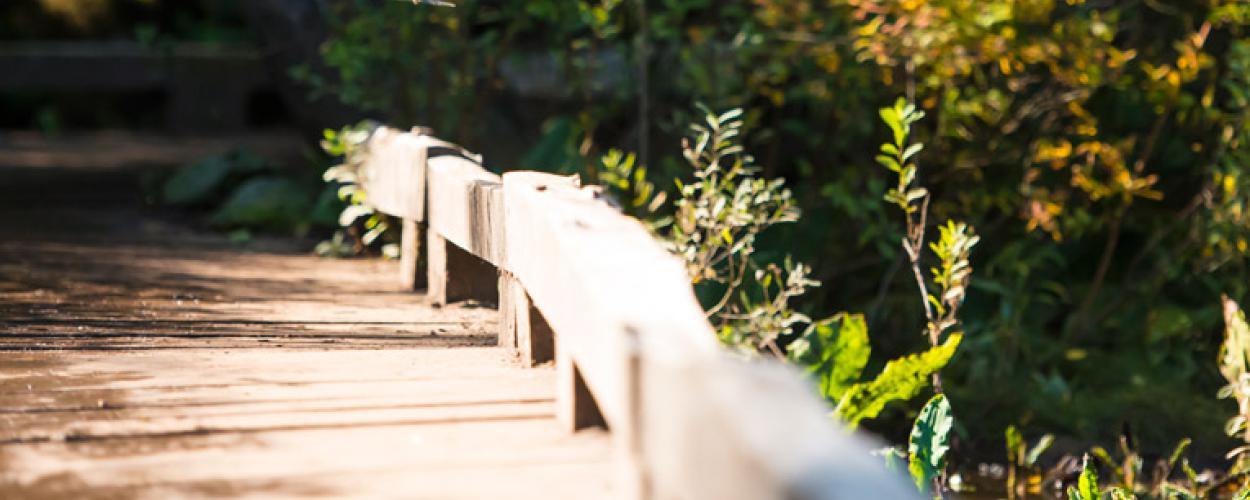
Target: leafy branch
[{"x": 955, "y": 241}]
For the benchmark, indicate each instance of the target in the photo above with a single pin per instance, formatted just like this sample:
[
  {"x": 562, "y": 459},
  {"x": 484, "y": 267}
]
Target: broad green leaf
[
  {"x": 271, "y": 202},
  {"x": 835, "y": 351},
  {"x": 202, "y": 181},
  {"x": 196, "y": 183},
  {"x": 1087, "y": 486},
  {"x": 929, "y": 441},
  {"x": 902, "y": 379},
  {"x": 888, "y": 162}
]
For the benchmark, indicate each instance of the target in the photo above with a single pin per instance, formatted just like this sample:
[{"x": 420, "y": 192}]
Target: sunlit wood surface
[{"x": 143, "y": 358}]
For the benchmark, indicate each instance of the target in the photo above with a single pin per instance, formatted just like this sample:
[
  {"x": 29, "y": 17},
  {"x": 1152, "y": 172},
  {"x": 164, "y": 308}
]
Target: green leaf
[
  {"x": 902, "y": 379},
  {"x": 835, "y": 351},
  {"x": 269, "y": 202},
  {"x": 1103, "y": 456},
  {"x": 1087, "y": 486},
  {"x": 929, "y": 441},
  {"x": 352, "y": 212},
  {"x": 1178, "y": 452},
  {"x": 197, "y": 182},
  {"x": 204, "y": 180},
  {"x": 889, "y": 162},
  {"x": 1173, "y": 492},
  {"x": 1042, "y": 445},
  {"x": 556, "y": 151},
  {"x": 912, "y": 150},
  {"x": 1015, "y": 443}
]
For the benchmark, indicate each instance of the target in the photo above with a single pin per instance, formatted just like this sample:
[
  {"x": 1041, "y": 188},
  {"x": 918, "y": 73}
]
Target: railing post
[
  {"x": 522, "y": 328},
  {"x": 410, "y": 275},
  {"x": 575, "y": 406},
  {"x": 507, "y": 312},
  {"x": 454, "y": 274}
]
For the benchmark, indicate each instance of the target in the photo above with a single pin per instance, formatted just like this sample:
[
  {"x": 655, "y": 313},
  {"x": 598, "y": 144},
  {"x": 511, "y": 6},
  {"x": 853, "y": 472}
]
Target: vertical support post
[
  {"x": 632, "y": 464},
  {"x": 536, "y": 343},
  {"x": 575, "y": 406},
  {"x": 454, "y": 274},
  {"x": 508, "y": 286},
  {"x": 410, "y": 275}
]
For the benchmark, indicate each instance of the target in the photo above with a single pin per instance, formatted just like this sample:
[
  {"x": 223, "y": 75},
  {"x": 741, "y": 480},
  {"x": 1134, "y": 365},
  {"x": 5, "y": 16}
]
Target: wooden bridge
[{"x": 140, "y": 358}]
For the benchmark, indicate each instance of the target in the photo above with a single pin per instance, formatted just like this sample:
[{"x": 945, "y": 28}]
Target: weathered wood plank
[
  {"x": 394, "y": 173},
  {"x": 596, "y": 275},
  {"x": 576, "y": 408},
  {"x": 697, "y": 423},
  {"x": 466, "y": 206},
  {"x": 454, "y": 274},
  {"x": 410, "y": 275},
  {"x": 707, "y": 418},
  {"x": 508, "y": 287},
  {"x": 182, "y": 412},
  {"x": 535, "y": 340}
]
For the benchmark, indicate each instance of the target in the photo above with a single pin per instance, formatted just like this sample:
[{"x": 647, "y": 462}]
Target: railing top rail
[{"x": 693, "y": 420}]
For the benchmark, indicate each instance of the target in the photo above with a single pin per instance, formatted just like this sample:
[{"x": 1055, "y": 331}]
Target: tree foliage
[{"x": 1099, "y": 148}]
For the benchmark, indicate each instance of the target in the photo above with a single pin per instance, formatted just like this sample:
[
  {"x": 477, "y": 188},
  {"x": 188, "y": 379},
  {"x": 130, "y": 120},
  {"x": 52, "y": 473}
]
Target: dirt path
[{"x": 140, "y": 358}]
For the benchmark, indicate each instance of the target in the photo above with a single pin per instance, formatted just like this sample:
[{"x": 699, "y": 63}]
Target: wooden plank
[
  {"x": 320, "y": 423},
  {"x": 410, "y": 275},
  {"x": 523, "y": 331},
  {"x": 707, "y": 418},
  {"x": 596, "y": 275},
  {"x": 181, "y": 416},
  {"x": 576, "y": 408},
  {"x": 508, "y": 287},
  {"x": 466, "y": 206},
  {"x": 696, "y": 423},
  {"x": 394, "y": 173},
  {"x": 454, "y": 274},
  {"x": 536, "y": 343}
]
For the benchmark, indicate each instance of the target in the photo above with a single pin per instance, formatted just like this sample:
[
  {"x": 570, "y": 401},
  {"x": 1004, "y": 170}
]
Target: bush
[{"x": 1100, "y": 149}]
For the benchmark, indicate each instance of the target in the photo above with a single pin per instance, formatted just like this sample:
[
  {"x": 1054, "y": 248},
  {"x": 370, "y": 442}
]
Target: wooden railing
[{"x": 583, "y": 285}]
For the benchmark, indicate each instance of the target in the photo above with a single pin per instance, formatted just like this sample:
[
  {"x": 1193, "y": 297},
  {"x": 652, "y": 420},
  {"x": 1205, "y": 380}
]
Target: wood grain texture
[
  {"x": 455, "y": 275},
  {"x": 508, "y": 287},
  {"x": 696, "y": 422},
  {"x": 411, "y": 276},
  {"x": 394, "y": 172},
  {"x": 466, "y": 206},
  {"x": 140, "y": 358},
  {"x": 596, "y": 275},
  {"x": 535, "y": 339}
]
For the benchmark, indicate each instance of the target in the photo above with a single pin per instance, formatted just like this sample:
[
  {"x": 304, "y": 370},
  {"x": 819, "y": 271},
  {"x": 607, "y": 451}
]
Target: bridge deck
[{"x": 142, "y": 358}]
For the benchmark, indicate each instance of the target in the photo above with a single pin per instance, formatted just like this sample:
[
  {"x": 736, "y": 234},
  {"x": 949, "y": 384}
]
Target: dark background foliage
[{"x": 1098, "y": 148}]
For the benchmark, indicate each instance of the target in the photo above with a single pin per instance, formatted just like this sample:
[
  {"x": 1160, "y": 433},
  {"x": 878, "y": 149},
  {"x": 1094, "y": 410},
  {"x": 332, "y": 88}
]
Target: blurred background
[{"x": 1099, "y": 148}]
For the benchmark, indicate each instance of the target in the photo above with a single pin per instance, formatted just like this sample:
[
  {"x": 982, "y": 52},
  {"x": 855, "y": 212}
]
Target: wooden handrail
[{"x": 578, "y": 281}]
